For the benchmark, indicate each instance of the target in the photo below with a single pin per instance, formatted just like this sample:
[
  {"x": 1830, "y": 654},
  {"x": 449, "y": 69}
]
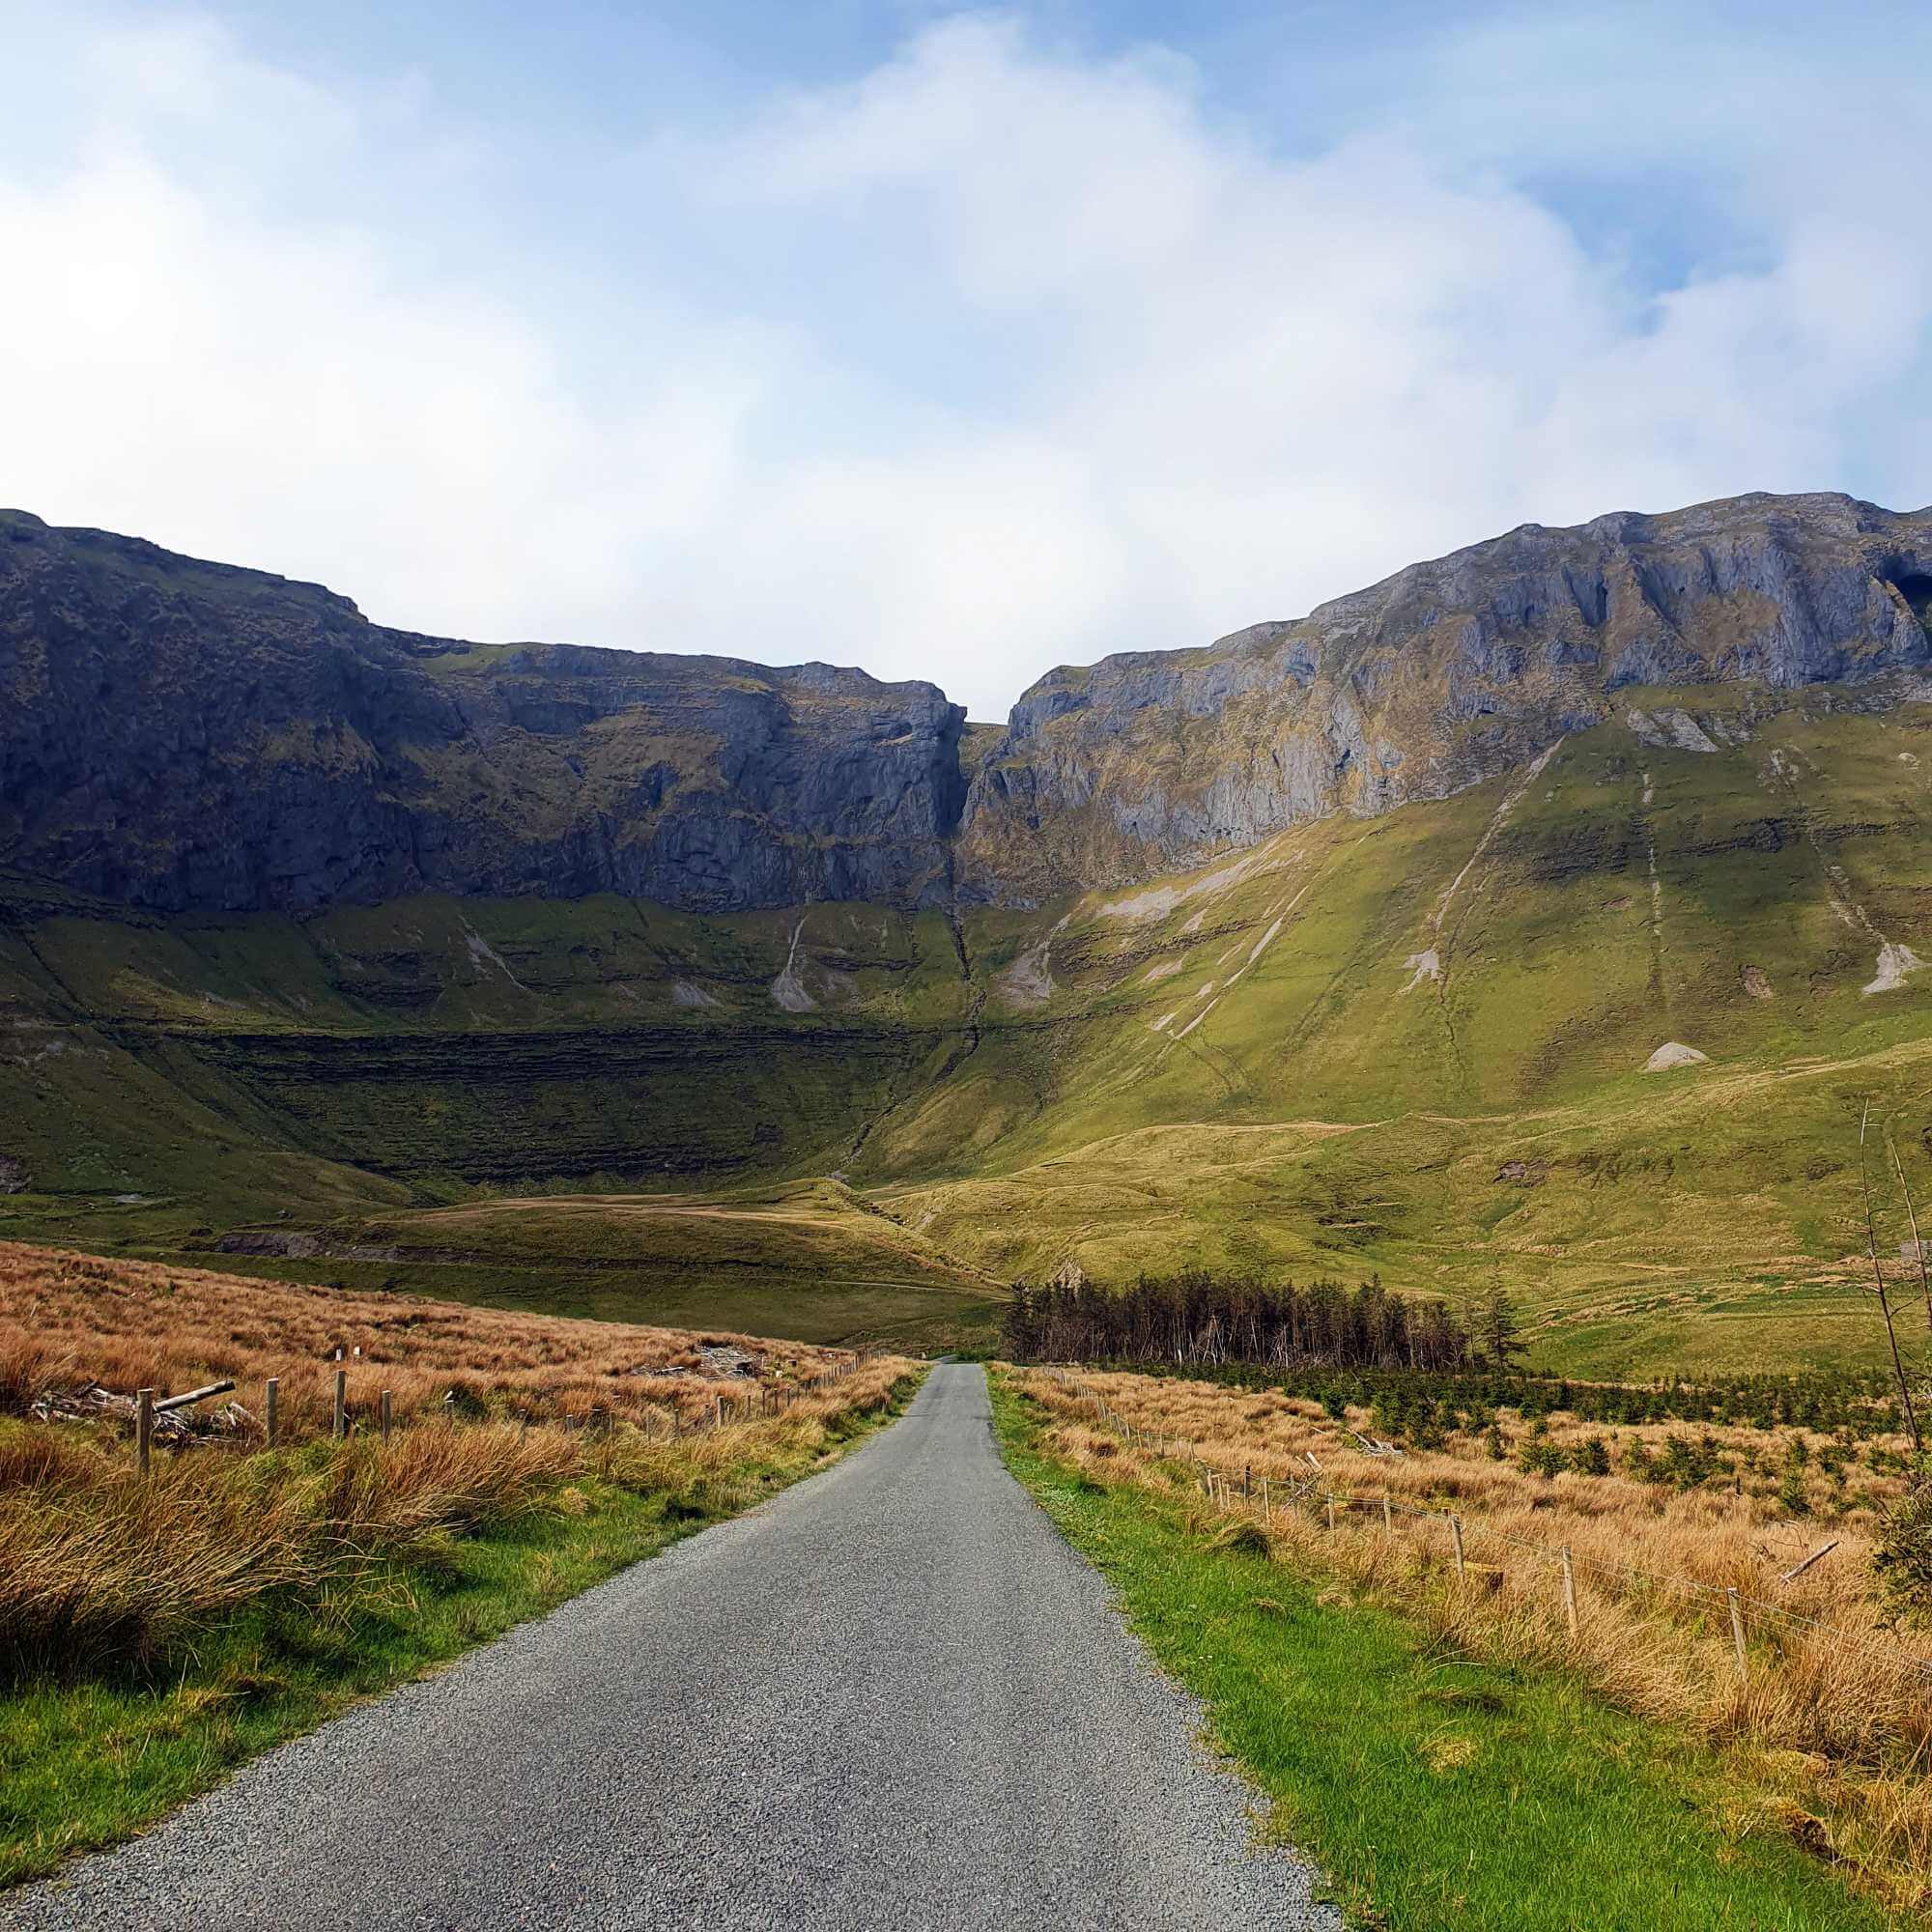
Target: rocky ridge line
[{"x": 190, "y": 736}]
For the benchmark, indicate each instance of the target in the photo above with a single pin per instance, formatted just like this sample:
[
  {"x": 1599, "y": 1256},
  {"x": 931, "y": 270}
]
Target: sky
[{"x": 952, "y": 344}]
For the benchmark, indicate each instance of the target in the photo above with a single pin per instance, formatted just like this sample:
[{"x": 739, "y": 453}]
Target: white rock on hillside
[{"x": 1673, "y": 1053}]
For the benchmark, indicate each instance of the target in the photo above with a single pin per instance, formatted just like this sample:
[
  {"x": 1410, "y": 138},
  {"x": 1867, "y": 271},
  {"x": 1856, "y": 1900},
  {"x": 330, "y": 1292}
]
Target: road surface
[{"x": 891, "y": 1696}]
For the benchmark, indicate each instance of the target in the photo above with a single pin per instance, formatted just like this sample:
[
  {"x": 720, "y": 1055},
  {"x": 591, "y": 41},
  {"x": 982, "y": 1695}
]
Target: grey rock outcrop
[
  {"x": 186, "y": 735},
  {"x": 1443, "y": 675},
  {"x": 180, "y": 735}
]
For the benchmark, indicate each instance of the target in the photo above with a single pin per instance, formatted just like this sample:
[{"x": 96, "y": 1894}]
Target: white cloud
[{"x": 999, "y": 357}]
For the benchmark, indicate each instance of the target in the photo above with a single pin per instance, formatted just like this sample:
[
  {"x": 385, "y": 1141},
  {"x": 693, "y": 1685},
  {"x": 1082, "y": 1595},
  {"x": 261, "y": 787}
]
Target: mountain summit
[
  {"x": 190, "y": 736},
  {"x": 1437, "y": 678}
]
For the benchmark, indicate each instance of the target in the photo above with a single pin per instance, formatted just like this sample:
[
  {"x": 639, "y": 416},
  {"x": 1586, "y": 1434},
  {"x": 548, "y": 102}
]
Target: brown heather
[
  {"x": 99, "y": 1569},
  {"x": 1826, "y": 1738},
  {"x": 67, "y": 1320}
]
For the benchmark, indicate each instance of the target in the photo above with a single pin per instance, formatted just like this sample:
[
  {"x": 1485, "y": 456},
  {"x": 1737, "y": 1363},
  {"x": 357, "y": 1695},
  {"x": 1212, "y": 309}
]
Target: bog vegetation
[
  {"x": 170, "y": 1623},
  {"x": 71, "y": 1322},
  {"x": 1464, "y": 1503}
]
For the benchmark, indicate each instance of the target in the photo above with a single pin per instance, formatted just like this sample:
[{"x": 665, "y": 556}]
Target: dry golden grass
[
  {"x": 99, "y": 1567},
  {"x": 1829, "y": 1731},
  {"x": 69, "y": 1319}
]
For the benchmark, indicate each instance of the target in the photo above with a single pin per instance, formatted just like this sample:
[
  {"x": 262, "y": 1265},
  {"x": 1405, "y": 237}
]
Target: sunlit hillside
[{"x": 1601, "y": 1030}]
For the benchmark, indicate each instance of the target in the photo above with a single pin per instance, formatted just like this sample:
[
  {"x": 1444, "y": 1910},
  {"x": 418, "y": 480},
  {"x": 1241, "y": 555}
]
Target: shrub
[
  {"x": 1902, "y": 1557},
  {"x": 1687, "y": 1461},
  {"x": 1792, "y": 1494}
]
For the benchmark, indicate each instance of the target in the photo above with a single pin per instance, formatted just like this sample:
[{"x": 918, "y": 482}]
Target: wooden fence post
[
  {"x": 341, "y": 1404},
  {"x": 1331, "y": 1516},
  {"x": 1568, "y": 1592},
  {"x": 1388, "y": 1515},
  {"x": 1247, "y": 1481},
  {"x": 1738, "y": 1630},
  {"x": 388, "y": 1415},
  {"x": 144, "y": 1428},
  {"x": 1455, "y": 1537},
  {"x": 1268, "y": 1502},
  {"x": 272, "y": 1410}
]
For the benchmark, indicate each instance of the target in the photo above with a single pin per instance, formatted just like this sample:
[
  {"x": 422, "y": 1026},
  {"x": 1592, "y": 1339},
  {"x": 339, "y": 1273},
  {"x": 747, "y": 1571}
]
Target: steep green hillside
[
  {"x": 1415, "y": 1043},
  {"x": 296, "y": 1092},
  {"x": 1419, "y": 1044}
]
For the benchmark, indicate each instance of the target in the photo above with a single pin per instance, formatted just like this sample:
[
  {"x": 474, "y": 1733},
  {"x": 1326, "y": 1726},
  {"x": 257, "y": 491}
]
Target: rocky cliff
[
  {"x": 1439, "y": 678},
  {"x": 186, "y": 735}
]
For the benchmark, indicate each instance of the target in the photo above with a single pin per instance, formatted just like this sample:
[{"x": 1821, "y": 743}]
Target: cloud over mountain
[{"x": 1009, "y": 349}]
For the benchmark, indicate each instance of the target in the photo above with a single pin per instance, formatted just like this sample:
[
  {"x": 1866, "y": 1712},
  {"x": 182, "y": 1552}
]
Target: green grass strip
[
  {"x": 1434, "y": 1792},
  {"x": 87, "y": 1764}
]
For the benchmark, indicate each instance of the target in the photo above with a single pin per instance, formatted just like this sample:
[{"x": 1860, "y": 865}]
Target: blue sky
[{"x": 954, "y": 343}]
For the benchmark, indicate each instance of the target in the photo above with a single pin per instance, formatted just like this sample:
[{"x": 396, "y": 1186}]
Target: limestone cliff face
[
  {"x": 1443, "y": 675},
  {"x": 188, "y": 736},
  {"x": 185, "y": 735}
]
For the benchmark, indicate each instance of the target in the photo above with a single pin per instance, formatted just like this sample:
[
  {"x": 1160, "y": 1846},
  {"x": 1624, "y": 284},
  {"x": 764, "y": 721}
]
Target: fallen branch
[
  {"x": 1823, "y": 1551},
  {"x": 175, "y": 1401}
]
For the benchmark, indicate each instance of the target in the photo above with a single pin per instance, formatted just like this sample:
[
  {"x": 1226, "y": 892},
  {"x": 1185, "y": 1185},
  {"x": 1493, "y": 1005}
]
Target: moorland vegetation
[
  {"x": 158, "y": 1626},
  {"x": 1544, "y": 1538}
]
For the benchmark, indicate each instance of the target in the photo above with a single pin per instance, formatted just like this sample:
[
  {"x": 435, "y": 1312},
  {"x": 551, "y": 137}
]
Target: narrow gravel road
[{"x": 890, "y": 1697}]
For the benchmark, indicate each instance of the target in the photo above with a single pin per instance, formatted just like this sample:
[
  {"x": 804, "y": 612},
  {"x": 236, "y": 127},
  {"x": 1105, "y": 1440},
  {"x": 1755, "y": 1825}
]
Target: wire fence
[
  {"x": 1221, "y": 1487},
  {"x": 726, "y": 1409}
]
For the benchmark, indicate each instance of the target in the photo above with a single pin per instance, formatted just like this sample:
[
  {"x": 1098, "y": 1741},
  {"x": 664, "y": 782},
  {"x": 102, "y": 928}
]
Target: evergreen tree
[{"x": 1498, "y": 1329}]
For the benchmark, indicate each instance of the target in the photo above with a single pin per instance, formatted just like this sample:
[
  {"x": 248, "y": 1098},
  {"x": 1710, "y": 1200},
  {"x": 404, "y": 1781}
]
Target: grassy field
[
  {"x": 1822, "y": 1741},
  {"x": 1436, "y": 1788},
  {"x": 154, "y": 1634},
  {"x": 1414, "y": 1045},
  {"x": 809, "y": 1259}
]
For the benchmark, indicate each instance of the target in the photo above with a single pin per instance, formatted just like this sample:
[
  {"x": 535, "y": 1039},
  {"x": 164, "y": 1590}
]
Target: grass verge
[
  {"x": 1436, "y": 1791},
  {"x": 91, "y": 1758}
]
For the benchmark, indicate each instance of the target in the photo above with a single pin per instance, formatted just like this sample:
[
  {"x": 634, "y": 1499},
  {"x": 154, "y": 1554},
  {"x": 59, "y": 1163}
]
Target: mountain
[
  {"x": 192, "y": 736},
  {"x": 1443, "y": 675},
  {"x": 1570, "y": 957}
]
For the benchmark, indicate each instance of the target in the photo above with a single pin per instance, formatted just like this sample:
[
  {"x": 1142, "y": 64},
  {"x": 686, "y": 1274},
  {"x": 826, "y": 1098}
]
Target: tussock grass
[
  {"x": 99, "y": 1567},
  {"x": 68, "y": 1318},
  {"x": 1828, "y": 1737},
  {"x": 154, "y": 1631},
  {"x": 1436, "y": 1790}
]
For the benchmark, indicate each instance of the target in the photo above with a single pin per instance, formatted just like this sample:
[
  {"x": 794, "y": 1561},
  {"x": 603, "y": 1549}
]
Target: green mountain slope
[
  {"x": 1414, "y": 1043},
  {"x": 1453, "y": 1008}
]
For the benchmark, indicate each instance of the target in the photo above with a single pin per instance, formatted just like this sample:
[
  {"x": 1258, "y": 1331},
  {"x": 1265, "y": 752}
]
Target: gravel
[{"x": 891, "y": 1696}]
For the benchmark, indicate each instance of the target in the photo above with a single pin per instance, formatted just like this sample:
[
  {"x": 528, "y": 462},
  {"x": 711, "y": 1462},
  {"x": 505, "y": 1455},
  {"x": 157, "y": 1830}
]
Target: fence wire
[{"x": 1306, "y": 1492}]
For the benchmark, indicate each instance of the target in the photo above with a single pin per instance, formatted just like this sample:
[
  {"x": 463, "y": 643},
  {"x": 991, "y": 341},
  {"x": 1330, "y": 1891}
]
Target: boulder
[{"x": 1674, "y": 1053}]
